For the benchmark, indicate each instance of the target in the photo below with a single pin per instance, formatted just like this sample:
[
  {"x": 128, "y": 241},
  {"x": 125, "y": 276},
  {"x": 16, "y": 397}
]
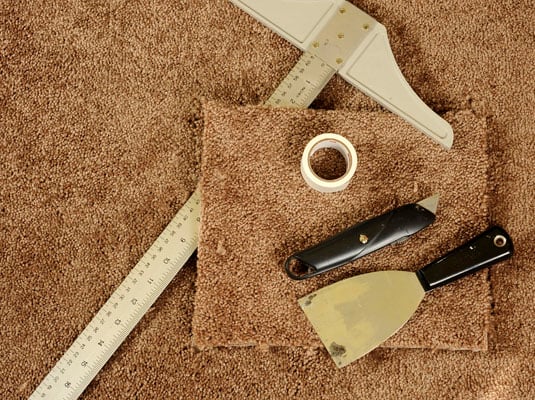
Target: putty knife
[{"x": 355, "y": 315}]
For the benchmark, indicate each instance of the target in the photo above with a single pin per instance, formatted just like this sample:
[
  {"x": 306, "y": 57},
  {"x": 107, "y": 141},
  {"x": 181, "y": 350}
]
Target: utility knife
[{"x": 361, "y": 239}]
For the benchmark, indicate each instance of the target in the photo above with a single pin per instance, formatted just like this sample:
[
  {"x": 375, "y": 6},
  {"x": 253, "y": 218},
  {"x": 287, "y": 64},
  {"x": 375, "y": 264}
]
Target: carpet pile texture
[
  {"x": 257, "y": 210},
  {"x": 101, "y": 135}
]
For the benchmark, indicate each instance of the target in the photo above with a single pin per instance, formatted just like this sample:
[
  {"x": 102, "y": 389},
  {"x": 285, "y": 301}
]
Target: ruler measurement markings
[
  {"x": 303, "y": 83},
  {"x": 117, "y": 317},
  {"x": 161, "y": 262}
]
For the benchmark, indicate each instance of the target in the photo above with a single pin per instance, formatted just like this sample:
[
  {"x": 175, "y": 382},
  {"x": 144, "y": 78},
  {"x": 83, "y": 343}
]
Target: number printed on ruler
[
  {"x": 147, "y": 280},
  {"x": 303, "y": 83},
  {"x": 123, "y": 310}
]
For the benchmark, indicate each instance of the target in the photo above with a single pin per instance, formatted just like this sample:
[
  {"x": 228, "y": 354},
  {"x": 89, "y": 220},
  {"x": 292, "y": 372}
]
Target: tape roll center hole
[{"x": 328, "y": 163}]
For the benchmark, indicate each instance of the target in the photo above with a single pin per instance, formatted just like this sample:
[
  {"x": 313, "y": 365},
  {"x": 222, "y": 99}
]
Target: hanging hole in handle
[
  {"x": 298, "y": 270},
  {"x": 500, "y": 241}
]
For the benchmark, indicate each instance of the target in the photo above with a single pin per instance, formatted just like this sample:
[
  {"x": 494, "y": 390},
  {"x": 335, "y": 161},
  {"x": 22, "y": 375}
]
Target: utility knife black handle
[
  {"x": 492, "y": 246},
  {"x": 358, "y": 241}
]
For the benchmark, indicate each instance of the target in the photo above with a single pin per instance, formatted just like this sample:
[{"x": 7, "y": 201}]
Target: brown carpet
[
  {"x": 100, "y": 128},
  {"x": 257, "y": 210}
]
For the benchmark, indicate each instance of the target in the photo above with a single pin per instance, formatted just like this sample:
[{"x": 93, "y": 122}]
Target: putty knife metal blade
[{"x": 355, "y": 315}]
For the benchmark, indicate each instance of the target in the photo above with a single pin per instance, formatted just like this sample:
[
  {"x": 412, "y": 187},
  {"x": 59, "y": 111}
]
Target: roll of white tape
[{"x": 329, "y": 141}]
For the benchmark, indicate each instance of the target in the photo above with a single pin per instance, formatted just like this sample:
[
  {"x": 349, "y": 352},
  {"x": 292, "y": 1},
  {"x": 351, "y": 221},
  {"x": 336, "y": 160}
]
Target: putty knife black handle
[
  {"x": 492, "y": 246},
  {"x": 358, "y": 241}
]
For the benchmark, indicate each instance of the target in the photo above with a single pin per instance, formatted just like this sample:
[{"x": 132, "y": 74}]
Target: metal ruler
[
  {"x": 123, "y": 310},
  {"x": 303, "y": 84},
  {"x": 167, "y": 255}
]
